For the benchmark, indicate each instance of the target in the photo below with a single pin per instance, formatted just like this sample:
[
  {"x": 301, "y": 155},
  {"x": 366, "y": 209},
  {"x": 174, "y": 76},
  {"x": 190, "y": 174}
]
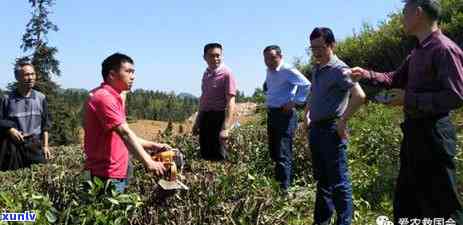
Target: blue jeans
[
  {"x": 120, "y": 184},
  {"x": 280, "y": 130},
  {"x": 329, "y": 160}
]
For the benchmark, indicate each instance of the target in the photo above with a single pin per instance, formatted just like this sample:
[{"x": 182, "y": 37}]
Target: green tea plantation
[{"x": 238, "y": 192}]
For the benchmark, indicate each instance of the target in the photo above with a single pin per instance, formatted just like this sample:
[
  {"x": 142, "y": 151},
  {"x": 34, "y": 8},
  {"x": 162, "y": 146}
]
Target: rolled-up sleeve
[
  {"x": 230, "y": 84},
  {"x": 344, "y": 81},
  {"x": 302, "y": 86}
]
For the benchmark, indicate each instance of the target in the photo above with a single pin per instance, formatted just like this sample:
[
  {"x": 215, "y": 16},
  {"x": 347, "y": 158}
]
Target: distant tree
[
  {"x": 305, "y": 68},
  {"x": 35, "y": 44},
  {"x": 156, "y": 105},
  {"x": 258, "y": 96},
  {"x": 169, "y": 129},
  {"x": 240, "y": 97}
]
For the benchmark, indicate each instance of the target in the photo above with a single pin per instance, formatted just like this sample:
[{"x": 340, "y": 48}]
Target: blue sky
[{"x": 166, "y": 37}]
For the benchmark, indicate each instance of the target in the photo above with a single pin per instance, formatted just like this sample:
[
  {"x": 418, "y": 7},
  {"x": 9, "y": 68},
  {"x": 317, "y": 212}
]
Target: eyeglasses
[
  {"x": 311, "y": 48},
  {"x": 317, "y": 47}
]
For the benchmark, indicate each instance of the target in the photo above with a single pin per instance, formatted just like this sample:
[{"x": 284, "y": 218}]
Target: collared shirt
[
  {"x": 106, "y": 153},
  {"x": 28, "y": 114},
  {"x": 330, "y": 90},
  {"x": 216, "y": 85},
  {"x": 432, "y": 76},
  {"x": 285, "y": 84}
]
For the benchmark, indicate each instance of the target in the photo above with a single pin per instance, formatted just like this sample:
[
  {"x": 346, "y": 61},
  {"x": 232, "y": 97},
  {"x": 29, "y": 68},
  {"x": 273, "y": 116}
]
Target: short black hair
[
  {"x": 211, "y": 46},
  {"x": 273, "y": 47},
  {"x": 114, "y": 62},
  {"x": 20, "y": 63},
  {"x": 432, "y": 8},
  {"x": 324, "y": 32}
]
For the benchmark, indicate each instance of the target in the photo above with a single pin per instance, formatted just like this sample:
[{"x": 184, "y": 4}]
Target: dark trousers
[
  {"x": 330, "y": 168},
  {"x": 210, "y": 125},
  {"x": 16, "y": 156},
  {"x": 426, "y": 186},
  {"x": 280, "y": 130}
]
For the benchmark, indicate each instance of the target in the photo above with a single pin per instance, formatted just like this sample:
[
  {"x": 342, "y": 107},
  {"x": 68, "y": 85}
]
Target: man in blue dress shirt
[{"x": 285, "y": 87}]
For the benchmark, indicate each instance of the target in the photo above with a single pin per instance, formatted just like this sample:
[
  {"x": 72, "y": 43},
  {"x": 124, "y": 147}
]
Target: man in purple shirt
[
  {"x": 216, "y": 106},
  {"x": 432, "y": 80}
]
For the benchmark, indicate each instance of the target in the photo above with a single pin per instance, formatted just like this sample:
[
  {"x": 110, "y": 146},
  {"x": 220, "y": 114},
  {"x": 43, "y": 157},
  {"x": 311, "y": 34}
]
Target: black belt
[
  {"x": 324, "y": 122},
  {"x": 417, "y": 116},
  {"x": 275, "y": 108}
]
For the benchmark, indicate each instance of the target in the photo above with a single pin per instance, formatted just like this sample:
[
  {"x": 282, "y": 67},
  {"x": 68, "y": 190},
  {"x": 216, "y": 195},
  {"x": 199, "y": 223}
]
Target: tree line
[{"x": 382, "y": 48}]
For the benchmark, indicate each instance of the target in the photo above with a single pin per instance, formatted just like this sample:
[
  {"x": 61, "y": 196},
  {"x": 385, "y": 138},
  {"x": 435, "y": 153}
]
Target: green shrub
[{"x": 241, "y": 191}]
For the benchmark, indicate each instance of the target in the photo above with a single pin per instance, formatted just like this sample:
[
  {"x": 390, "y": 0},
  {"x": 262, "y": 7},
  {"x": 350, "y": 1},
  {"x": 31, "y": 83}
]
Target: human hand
[
  {"x": 342, "y": 129},
  {"x": 288, "y": 107},
  {"x": 16, "y": 135},
  {"x": 358, "y": 73}
]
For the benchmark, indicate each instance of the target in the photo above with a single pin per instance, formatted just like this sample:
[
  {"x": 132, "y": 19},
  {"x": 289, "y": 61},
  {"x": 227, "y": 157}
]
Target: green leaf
[
  {"x": 251, "y": 177},
  {"x": 113, "y": 201},
  {"x": 98, "y": 182},
  {"x": 118, "y": 221},
  {"x": 50, "y": 216},
  {"x": 37, "y": 197}
]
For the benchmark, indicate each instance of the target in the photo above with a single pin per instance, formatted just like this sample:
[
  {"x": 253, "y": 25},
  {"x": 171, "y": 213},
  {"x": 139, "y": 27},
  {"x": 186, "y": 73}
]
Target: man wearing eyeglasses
[{"x": 327, "y": 112}]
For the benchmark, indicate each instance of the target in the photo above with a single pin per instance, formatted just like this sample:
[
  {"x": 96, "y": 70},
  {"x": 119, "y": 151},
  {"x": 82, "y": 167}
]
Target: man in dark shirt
[
  {"x": 24, "y": 119},
  {"x": 432, "y": 80}
]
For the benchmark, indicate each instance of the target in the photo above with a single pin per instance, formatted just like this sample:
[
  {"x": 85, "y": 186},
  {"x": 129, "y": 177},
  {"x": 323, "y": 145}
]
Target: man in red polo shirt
[{"x": 107, "y": 134}]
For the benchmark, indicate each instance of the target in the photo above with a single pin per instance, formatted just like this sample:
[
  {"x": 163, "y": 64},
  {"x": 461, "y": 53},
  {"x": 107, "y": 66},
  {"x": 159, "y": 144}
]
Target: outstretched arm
[
  {"x": 132, "y": 143},
  {"x": 395, "y": 79}
]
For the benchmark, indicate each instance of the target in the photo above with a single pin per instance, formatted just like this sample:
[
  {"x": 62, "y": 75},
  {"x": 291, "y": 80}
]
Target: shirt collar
[
  {"x": 427, "y": 41},
  {"x": 110, "y": 89},
  {"x": 18, "y": 95},
  {"x": 331, "y": 63},
  {"x": 216, "y": 70},
  {"x": 279, "y": 67}
]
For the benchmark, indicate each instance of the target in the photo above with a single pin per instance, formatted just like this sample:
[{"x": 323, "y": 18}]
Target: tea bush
[{"x": 240, "y": 191}]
